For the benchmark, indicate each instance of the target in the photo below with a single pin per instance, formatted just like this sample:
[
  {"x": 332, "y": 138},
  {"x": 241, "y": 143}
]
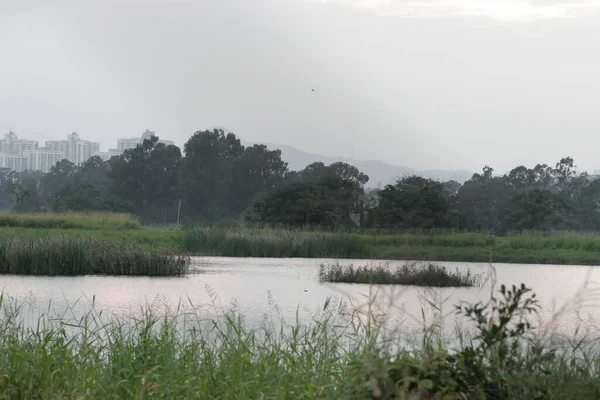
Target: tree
[
  {"x": 61, "y": 176},
  {"x": 534, "y": 210},
  {"x": 482, "y": 201},
  {"x": 26, "y": 196},
  {"x": 8, "y": 180},
  {"x": 586, "y": 209},
  {"x": 256, "y": 172},
  {"x": 148, "y": 177},
  {"x": 318, "y": 195},
  {"x": 413, "y": 203},
  {"x": 207, "y": 174}
]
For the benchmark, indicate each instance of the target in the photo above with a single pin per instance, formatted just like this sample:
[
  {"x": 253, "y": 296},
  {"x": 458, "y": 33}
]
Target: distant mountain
[{"x": 380, "y": 173}]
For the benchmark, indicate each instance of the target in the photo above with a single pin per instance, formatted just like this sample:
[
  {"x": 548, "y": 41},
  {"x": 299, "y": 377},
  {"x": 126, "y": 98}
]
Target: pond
[{"x": 270, "y": 289}]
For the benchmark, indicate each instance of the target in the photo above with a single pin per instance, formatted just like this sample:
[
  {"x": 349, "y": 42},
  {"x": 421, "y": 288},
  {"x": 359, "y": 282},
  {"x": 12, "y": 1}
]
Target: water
[{"x": 270, "y": 289}]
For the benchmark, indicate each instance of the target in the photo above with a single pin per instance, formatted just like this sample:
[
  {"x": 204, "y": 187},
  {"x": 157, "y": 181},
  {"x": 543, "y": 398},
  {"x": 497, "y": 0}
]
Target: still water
[{"x": 284, "y": 289}]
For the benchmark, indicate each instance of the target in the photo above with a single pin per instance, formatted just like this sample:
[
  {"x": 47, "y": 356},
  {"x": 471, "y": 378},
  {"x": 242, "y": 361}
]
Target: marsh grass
[
  {"x": 408, "y": 274},
  {"x": 255, "y": 242},
  {"x": 70, "y": 220},
  {"x": 31, "y": 254},
  {"x": 531, "y": 248}
]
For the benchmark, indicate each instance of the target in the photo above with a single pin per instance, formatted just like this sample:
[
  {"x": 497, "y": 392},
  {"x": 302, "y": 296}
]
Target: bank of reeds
[
  {"x": 70, "y": 220},
  {"x": 256, "y": 242},
  {"x": 155, "y": 357},
  {"x": 408, "y": 274},
  {"x": 531, "y": 248},
  {"x": 33, "y": 254}
]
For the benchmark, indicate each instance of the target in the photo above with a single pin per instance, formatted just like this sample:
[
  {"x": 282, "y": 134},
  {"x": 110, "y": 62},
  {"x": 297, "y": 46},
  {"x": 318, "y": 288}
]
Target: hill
[{"x": 380, "y": 173}]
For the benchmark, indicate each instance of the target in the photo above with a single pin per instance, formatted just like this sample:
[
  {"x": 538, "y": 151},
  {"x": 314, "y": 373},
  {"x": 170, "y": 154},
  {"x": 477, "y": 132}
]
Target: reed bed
[
  {"x": 153, "y": 356},
  {"x": 535, "y": 248},
  {"x": 32, "y": 254},
  {"x": 70, "y": 220},
  {"x": 432, "y": 275},
  {"x": 254, "y": 242}
]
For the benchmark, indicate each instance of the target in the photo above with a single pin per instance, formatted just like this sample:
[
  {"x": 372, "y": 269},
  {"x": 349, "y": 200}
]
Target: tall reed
[
  {"x": 154, "y": 356},
  {"x": 255, "y": 242},
  {"x": 70, "y": 220},
  {"x": 558, "y": 248},
  {"x": 34, "y": 254},
  {"x": 409, "y": 274}
]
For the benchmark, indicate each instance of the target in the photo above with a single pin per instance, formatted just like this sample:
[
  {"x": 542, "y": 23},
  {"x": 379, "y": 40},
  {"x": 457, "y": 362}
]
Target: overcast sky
[{"x": 429, "y": 84}]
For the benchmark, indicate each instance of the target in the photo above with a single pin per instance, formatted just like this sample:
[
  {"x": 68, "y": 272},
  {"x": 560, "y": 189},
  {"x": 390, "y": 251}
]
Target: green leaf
[{"x": 426, "y": 384}]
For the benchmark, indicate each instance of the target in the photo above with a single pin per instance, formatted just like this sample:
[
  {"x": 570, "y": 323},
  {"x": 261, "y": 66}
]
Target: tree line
[{"x": 217, "y": 178}]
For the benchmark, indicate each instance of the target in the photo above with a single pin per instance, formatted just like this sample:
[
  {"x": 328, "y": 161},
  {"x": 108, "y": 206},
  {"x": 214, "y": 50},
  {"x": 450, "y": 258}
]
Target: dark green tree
[
  {"x": 413, "y": 203},
  {"x": 482, "y": 201},
  {"x": 319, "y": 195},
  {"x": 534, "y": 210},
  {"x": 149, "y": 178},
  {"x": 210, "y": 157},
  {"x": 256, "y": 172}
]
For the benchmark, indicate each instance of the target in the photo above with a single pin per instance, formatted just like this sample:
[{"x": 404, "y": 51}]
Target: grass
[
  {"x": 162, "y": 238},
  {"x": 559, "y": 248},
  {"x": 33, "y": 254},
  {"x": 70, "y": 220},
  {"x": 253, "y": 242},
  {"x": 408, "y": 274},
  {"x": 160, "y": 357}
]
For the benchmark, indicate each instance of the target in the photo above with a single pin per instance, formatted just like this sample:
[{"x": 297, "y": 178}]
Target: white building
[
  {"x": 16, "y": 162},
  {"x": 20, "y": 155},
  {"x": 11, "y": 144},
  {"x": 148, "y": 135},
  {"x": 61, "y": 146},
  {"x": 107, "y": 155},
  {"x": 74, "y": 149},
  {"x": 42, "y": 159},
  {"x": 126, "y": 144},
  {"x": 132, "y": 143}
]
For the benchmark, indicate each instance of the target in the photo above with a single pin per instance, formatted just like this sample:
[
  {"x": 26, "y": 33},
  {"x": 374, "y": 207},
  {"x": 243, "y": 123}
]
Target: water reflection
[{"x": 270, "y": 289}]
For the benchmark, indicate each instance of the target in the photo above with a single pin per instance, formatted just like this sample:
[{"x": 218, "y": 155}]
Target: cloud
[{"x": 506, "y": 10}]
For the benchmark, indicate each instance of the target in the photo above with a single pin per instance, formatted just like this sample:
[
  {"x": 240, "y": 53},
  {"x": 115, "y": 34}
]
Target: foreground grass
[
  {"x": 70, "y": 220},
  {"x": 526, "y": 248},
  {"x": 33, "y": 254},
  {"x": 159, "y": 357},
  {"x": 409, "y": 274}
]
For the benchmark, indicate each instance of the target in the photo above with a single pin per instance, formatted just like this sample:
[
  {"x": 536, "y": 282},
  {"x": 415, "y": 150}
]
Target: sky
[{"x": 428, "y": 84}]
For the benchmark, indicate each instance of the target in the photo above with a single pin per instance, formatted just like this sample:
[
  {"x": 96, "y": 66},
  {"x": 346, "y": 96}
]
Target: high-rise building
[
  {"x": 20, "y": 155},
  {"x": 79, "y": 151},
  {"x": 107, "y": 155},
  {"x": 126, "y": 144},
  {"x": 74, "y": 149},
  {"x": 16, "y": 162},
  {"x": 42, "y": 159},
  {"x": 132, "y": 143},
  {"x": 11, "y": 144},
  {"x": 61, "y": 146},
  {"x": 147, "y": 135}
]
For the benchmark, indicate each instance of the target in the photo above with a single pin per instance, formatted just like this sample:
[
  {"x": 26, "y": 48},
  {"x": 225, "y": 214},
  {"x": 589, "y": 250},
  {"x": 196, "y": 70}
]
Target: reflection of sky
[{"x": 274, "y": 288}]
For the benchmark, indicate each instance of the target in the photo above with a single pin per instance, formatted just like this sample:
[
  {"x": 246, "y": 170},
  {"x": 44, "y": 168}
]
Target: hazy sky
[{"x": 442, "y": 84}]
